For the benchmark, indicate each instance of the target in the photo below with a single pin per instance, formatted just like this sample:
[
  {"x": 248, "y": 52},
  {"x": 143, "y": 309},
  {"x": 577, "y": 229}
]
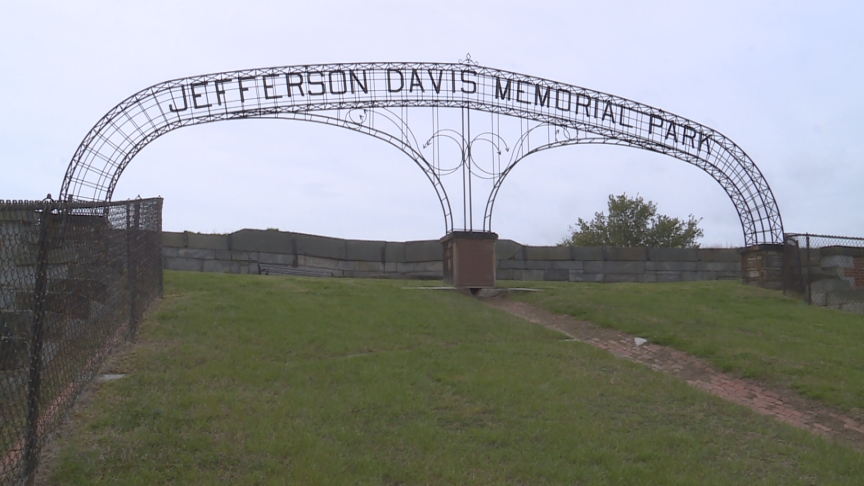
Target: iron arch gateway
[{"x": 464, "y": 125}]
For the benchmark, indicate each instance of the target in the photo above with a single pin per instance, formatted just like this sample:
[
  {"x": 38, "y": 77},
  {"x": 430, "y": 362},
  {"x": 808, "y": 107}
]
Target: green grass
[
  {"x": 746, "y": 330},
  {"x": 276, "y": 380}
]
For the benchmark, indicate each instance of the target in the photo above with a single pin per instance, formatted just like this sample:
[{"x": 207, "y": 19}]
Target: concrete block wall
[
  {"x": 276, "y": 252},
  {"x": 610, "y": 264},
  {"x": 837, "y": 277},
  {"x": 18, "y": 237}
]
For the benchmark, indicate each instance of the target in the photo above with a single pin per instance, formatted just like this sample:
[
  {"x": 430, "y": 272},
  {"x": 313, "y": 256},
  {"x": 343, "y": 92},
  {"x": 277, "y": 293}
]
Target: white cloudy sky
[{"x": 784, "y": 80}]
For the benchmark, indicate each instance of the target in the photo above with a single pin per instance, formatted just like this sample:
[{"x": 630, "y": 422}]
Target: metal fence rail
[
  {"x": 825, "y": 270},
  {"x": 75, "y": 279}
]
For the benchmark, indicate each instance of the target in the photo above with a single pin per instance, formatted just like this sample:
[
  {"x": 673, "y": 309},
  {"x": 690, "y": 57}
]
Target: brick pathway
[{"x": 783, "y": 405}]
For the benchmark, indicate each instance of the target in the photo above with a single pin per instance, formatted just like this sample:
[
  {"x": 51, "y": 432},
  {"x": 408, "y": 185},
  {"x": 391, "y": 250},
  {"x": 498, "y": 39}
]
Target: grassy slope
[
  {"x": 746, "y": 330},
  {"x": 270, "y": 380}
]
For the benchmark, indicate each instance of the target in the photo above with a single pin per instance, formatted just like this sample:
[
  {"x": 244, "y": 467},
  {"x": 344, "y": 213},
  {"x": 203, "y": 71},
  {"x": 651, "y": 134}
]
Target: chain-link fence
[
  {"x": 75, "y": 279},
  {"x": 825, "y": 270}
]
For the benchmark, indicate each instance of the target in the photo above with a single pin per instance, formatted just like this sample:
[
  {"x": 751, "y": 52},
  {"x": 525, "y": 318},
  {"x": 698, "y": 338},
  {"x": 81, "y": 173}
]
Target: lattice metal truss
[{"x": 475, "y": 124}]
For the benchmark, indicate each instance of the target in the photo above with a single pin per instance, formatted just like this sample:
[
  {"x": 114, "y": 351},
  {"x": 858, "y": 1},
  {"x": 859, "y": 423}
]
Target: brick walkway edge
[{"x": 784, "y": 406}]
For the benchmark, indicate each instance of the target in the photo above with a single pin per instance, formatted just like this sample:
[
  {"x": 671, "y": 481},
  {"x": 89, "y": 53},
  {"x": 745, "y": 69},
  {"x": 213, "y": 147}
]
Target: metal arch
[
  {"x": 309, "y": 92},
  {"x": 738, "y": 199},
  {"x": 407, "y": 149},
  {"x": 742, "y": 181}
]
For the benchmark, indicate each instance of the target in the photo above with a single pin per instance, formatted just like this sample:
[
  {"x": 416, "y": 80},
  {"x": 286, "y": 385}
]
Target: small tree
[{"x": 634, "y": 222}]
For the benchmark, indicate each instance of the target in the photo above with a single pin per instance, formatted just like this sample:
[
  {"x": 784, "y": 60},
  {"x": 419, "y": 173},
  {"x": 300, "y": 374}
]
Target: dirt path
[{"x": 783, "y": 405}]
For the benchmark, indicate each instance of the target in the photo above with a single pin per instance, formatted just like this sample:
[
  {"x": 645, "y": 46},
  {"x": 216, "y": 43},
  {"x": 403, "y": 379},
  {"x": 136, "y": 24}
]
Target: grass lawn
[
  {"x": 274, "y": 380},
  {"x": 753, "y": 332}
]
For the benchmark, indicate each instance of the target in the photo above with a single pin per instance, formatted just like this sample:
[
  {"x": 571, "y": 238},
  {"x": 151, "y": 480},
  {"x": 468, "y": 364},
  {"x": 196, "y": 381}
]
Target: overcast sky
[{"x": 784, "y": 80}]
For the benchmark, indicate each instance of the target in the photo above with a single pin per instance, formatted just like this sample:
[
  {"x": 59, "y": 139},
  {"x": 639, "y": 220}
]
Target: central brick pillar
[{"x": 469, "y": 259}]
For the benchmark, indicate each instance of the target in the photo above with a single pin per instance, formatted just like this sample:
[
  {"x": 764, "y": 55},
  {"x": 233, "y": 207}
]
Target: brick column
[
  {"x": 762, "y": 265},
  {"x": 469, "y": 259}
]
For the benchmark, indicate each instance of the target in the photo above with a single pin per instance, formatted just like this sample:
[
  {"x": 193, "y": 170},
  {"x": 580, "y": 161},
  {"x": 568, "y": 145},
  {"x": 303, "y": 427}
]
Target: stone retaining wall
[
  {"x": 276, "y": 252},
  {"x": 259, "y": 251},
  {"x": 610, "y": 264}
]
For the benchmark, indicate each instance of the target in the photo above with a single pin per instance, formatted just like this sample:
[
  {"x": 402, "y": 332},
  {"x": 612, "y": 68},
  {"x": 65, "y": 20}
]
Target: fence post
[
  {"x": 131, "y": 265},
  {"x": 158, "y": 247},
  {"x": 809, "y": 293},
  {"x": 786, "y": 265},
  {"x": 31, "y": 446}
]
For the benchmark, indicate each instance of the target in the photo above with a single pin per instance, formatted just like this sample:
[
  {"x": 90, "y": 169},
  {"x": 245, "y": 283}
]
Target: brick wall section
[
  {"x": 258, "y": 251},
  {"x": 856, "y": 273}
]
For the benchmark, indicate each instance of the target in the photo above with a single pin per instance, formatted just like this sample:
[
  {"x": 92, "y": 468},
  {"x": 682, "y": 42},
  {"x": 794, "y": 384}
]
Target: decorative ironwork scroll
[{"x": 469, "y": 127}]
